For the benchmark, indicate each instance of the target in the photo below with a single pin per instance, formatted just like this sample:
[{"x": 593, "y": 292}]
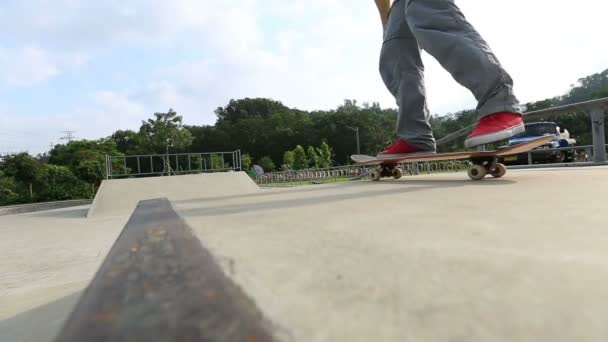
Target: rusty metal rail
[{"x": 158, "y": 283}]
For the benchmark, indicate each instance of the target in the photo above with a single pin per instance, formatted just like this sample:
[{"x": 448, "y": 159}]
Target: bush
[
  {"x": 299, "y": 158},
  {"x": 267, "y": 164},
  {"x": 8, "y": 191},
  {"x": 60, "y": 184}
]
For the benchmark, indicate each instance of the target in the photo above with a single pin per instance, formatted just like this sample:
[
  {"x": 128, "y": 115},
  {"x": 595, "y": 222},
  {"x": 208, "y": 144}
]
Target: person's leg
[
  {"x": 442, "y": 30},
  {"x": 402, "y": 71}
]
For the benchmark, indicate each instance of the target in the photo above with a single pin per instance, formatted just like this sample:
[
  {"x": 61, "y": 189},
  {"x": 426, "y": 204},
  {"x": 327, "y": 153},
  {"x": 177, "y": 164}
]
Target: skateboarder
[{"x": 440, "y": 28}]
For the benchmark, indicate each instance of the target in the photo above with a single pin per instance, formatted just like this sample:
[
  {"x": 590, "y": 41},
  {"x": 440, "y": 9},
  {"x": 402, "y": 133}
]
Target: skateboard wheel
[
  {"x": 375, "y": 175},
  {"x": 397, "y": 173},
  {"x": 499, "y": 171},
  {"x": 477, "y": 172}
]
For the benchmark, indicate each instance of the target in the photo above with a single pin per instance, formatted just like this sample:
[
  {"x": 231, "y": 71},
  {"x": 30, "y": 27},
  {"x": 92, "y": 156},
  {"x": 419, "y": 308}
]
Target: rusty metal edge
[{"x": 158, "y": 283}]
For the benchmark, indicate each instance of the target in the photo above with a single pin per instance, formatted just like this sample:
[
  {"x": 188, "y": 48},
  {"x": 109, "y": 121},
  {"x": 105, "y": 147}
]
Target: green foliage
[
  {"x": 127, "y": 142},
  {"x": 20, "y": 174},
  {"x": 288, "y": 159},
  {"x": 266, "y": 163},
  {"x": 60, "y": 184},
  {"x": 260, "y": 127},
  {"x": 246, "y": 161},
  {"x": 210, "y": 138},
  {"x": 299, "y": 158},
  {"x": 164, "y": 134},
  {"x": 85, "y": 158},
  {"x": 8, "y": 190},
  {"x": 324, "y": 159},
  {"x": 23, "y": 168},
  {"x": 216, "y": 162},
  {"x": 311, "y": 156},
  {"x": 599, "y": 94}
]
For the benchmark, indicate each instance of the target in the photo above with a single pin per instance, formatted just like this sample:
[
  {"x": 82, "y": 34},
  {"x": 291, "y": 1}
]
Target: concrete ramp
[{"x": 120, "y": 196}]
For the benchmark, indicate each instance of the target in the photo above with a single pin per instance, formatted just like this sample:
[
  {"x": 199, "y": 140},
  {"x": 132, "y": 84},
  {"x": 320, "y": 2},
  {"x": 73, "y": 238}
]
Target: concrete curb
[{"x": 30, "y": 208}]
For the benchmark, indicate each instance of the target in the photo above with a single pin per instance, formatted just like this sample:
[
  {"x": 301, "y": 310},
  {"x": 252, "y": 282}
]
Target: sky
[{"x": 94, "y": 67}]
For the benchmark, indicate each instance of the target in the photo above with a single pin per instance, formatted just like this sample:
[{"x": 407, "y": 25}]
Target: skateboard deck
[{"x": 484, "y": 162}]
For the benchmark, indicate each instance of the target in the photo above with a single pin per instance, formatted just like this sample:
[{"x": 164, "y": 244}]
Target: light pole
[{"x": 356, "y": 129}]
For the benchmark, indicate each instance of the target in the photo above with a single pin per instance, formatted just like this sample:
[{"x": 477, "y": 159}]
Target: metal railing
[
  {"x": 300, "y": 177},
  {"x": 171, "y": 164},
  {"x": 353, "y": 172},
  {"x": 595, "y": 109}
]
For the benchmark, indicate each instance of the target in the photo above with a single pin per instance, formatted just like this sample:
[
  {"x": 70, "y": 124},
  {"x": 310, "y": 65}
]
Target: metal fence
[
  {"x": 352, "y": 172},
  {"x": 299, "y": 177},
  {"x": 171, "y": 164}
]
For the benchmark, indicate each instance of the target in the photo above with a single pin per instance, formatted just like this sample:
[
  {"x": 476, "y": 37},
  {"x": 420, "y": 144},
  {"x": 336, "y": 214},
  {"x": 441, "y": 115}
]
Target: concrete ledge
[
  {"x": 158, "y": 283},
  {"x": 34, "y": 207}
]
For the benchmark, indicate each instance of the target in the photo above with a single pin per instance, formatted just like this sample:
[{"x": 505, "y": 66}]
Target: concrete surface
[
  {"x": 44, "y": 206},
  {"x": 47, "y": 259},
  {"x": 120, "y": 196},
  {"x": 428, "y": 258}
]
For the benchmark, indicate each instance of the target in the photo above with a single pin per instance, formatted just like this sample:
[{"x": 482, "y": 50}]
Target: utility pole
[
  {"x": 356, "y": 129},
  {"x": 69, "y": 136}
]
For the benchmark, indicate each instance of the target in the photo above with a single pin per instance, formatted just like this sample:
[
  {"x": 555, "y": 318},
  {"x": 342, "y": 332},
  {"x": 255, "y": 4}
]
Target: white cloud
[
  {"x": 26, "y": 66},
  {"x": 30, "y": 65}
]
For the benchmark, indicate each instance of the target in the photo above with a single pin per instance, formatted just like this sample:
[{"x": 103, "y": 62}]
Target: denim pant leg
[
  {"x": 443, "y": 31},
  {"x": 402, "y": 71}
]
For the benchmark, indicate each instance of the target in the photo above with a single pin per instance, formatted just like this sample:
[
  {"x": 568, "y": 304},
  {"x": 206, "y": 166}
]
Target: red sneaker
[
  {"x": 400, "y": 148},
  {"x": 494, "y": 128}
]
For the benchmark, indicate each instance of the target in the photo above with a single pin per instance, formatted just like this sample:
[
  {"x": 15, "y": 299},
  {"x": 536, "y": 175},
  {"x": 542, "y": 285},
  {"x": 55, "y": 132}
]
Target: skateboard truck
[
  {"x": 386, "y": 170},
  {"x": 482, "y": 166}
]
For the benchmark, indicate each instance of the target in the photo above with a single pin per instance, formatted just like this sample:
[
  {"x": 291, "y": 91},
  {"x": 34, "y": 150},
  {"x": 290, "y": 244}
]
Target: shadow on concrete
[
  {"x": 282, "y": 203},
  {"x": 80, "y": 212},
  {"x": 39, "y": 324}
]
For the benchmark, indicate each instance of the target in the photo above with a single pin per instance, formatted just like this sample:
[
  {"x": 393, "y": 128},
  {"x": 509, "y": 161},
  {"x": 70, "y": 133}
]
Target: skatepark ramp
[
  {"x": 158, "y": 283},
  {"x": 120, "y": 196}
]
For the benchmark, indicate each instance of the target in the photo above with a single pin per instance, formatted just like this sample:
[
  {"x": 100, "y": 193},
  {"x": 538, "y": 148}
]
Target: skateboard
[{"x": 483, "y": 162}]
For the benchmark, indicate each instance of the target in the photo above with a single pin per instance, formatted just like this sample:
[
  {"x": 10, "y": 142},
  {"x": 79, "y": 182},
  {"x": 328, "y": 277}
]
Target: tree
[
  {"x": 164, "y": 134},
  {"x": 86, "y": 159},
  {"x": 246, "y": 161},
  {"x": 61, "y": 184},
  {"x": 127, "y": 142},
  {"x": 216, "y": 162},
  {"x": 312, "y": 157},
  {"x": 266, "y": 163},
  {"x": 288, "y": 159},
  {"x": 8, "y": 190},
  {"x": 299, "y": 158},
  {"x": 210, "y": 139},
  {"x": 324, "y": 159},
  {"x": 27, "y": 173},
  {"x": 23, "y": 167}
]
